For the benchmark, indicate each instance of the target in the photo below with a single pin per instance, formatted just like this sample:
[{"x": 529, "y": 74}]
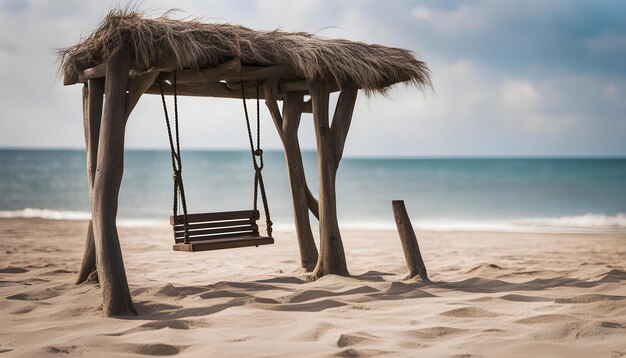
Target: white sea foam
[
  {"x": 45, "y": 214},
  {"x": 590, "y": 222},
  {"x": 48, "y": 214}
]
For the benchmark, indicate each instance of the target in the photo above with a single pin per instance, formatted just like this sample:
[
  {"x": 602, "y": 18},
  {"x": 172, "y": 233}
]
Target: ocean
[{"x": 525, "y": 195}]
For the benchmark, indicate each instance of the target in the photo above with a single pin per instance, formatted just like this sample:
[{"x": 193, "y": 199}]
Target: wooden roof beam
[{"x": 230, "y": 71}]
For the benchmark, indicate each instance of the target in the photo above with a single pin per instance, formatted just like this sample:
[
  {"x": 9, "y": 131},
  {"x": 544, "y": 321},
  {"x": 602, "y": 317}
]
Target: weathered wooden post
[
  {"x": 330, "y": 145},
  {"x": 116, "y": 299},
  {"x": 414, "y": 261},
  {"x": 92, "y": 115},
  {"x": 287, "y": 126}
]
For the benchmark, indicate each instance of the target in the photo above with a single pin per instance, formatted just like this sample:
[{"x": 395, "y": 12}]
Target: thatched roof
[{"x": 191, "y": 44}]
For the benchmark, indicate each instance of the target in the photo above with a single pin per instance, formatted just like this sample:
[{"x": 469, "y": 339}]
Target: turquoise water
[{"x": 447, "y": 194}]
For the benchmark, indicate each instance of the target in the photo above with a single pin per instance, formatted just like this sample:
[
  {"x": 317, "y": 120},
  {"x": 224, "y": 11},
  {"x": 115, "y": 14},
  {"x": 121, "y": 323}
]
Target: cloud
[
  {"x": 511, "y": 77},
  {"x": 14, "y": 6}
]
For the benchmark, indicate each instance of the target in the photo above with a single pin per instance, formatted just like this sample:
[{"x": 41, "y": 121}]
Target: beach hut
[{"x": 131, "y": 54}]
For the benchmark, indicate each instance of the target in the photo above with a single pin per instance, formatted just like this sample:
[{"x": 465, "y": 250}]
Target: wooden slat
[
  {"x": 224, "y": 215},
  {"x": 208, "y": 225},
  {"x": 253, "y": 228},
  {"x": 218, "y": 236},
  {"x": 224, "y": 244}
]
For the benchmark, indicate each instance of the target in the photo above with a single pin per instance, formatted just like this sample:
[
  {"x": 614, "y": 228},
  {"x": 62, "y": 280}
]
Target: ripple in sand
[
  {"x": 24, "y": 310},
  {"x": 170, "y": 290},
  {"x": 608, "y": 324},
  {"x": 351, "y": 352},
  {"x": 547, "y": 319},
  {"x": 400, "y": 290},
  {"x": 346, "y": 340},
  {"x": 34, "y": 295},
  {"x": 61, "y": 349},
  {"x": 13, "y": 270},
  {"x": 287, "y": 279},
  {"x": 524, "y": 298},
  {"x": 484, "y": 267},
  {"x": 436, "y": 332},
  {"x": 222, "y": 294},
  {"x": 316, "y": 333},
  {"x": 154, "y": 325},
  {"x": 467, "y": 312},
  {"x": 589, "y": 298},
  {"x": 310, "y": 295},
  {"x": 316, "y": 306}
]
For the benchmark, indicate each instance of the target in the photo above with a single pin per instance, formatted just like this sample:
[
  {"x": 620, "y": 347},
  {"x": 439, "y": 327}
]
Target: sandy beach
[{"x": 494, "y": 295}]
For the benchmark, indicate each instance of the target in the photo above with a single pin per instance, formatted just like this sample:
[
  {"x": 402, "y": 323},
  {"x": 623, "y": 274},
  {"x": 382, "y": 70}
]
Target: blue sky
[{"x": 531, "y": 78}]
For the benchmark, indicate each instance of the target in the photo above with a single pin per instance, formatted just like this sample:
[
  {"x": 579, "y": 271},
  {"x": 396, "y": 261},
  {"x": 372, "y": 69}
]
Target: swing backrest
[{"x": 220, "y": 225}]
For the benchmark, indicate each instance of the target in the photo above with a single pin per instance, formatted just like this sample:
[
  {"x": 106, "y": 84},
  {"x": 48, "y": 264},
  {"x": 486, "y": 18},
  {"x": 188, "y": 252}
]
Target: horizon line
[{"x": 351, "y": 156}]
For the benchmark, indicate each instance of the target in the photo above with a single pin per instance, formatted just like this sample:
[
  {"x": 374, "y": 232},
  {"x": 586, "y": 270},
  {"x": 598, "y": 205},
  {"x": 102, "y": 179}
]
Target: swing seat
[{"x": 217, "y": 231}]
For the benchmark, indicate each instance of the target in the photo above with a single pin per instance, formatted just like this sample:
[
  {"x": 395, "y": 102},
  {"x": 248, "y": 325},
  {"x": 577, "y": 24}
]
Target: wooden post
[
  {"x": 110, "y": 166},
  {"x": 412, "y": 254},
  {"x": 287, "y": 125},
  {"x": 330, "y": 143},
  {"x": 92, "y": 115}
]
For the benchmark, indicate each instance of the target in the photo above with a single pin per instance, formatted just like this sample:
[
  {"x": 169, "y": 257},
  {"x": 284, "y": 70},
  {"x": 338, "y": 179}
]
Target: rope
[
  {"x": 177, "y": 166},
  {"x": 257, "y": 152}
]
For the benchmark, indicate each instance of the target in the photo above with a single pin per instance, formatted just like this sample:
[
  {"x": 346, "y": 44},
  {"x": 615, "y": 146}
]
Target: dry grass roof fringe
[{"x": 192, "y": 44}]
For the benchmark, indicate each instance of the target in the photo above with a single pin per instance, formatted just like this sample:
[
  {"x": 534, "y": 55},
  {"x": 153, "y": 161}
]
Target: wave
[
  {"x": 49, "y": 214},
  {"x": 590, "y": 222}
]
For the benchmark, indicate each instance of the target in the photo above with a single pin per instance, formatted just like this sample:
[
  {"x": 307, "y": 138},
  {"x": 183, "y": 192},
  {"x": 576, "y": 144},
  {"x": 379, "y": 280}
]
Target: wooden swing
[{"x": 218, "y": 230}]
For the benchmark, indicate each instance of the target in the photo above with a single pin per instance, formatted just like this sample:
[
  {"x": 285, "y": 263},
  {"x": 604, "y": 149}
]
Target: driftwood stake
[{"x": 414, "y": 261}]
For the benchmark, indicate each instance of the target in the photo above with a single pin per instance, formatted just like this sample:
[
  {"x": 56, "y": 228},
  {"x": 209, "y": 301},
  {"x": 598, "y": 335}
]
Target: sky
[{"x": 511, "y": 78}]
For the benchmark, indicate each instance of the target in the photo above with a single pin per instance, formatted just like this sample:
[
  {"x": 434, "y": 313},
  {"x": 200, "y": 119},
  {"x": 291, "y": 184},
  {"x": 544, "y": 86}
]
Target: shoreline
[
  {"x": 450, "y": 226},
  {"x": 494, "y": 294}
]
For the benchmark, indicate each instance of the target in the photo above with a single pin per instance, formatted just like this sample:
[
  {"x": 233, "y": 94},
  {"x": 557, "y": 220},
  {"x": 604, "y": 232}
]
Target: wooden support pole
[
  {"x": 136, "y": 87},
  {"x": 314, "y": 206},
  {"x": 342, "y": 119},
  {"x": 332, "y": 259},
  {"x": 287, "y": 125},
  {"x": 414, "y": 261},
  {"x": 92, "y": 114},
  {"x": 116, "y": 299}
]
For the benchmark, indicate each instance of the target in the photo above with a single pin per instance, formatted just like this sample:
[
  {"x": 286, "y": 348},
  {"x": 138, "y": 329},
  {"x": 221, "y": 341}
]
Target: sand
[{"x": 494, "y": 295}]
